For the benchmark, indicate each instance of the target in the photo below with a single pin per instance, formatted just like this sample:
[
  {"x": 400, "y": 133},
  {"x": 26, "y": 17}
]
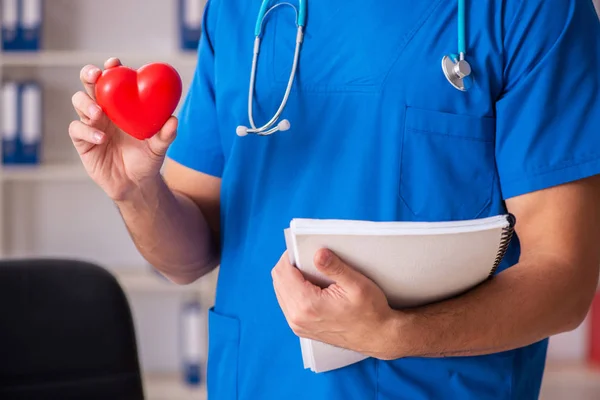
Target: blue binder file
[
  {"x": 10, "y": 25},
  {"x": 190, "y": 22},
  {"x": 192, "y": 341},
  {"x": 30, "y": 27},
  {"x": 10, "y": 122},
  {"x": 31, "y": 123}
]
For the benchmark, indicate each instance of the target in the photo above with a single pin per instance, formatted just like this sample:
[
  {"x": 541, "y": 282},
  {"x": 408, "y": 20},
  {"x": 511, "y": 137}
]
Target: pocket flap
[
  {"x": 227, "y": 328},
  {"x": 441, "y": 123}
]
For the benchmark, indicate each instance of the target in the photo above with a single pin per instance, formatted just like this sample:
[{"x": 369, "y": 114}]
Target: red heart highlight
[{"x": 139, "y": 102}]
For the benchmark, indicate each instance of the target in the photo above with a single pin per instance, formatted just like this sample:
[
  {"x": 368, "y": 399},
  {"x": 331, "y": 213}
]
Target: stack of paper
[{"x": 414, "y": 263}]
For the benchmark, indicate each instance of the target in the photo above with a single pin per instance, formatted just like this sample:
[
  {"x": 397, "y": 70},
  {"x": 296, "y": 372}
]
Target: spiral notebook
[{"x": 414, "y": 263}]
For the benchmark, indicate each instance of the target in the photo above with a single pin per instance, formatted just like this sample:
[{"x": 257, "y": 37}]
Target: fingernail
[
  {"x": 98, "y": 136},
  {"x": 94, "y": 110},
  {"x": 91, "y": 72},
  {"x": 325, "y": 258}
]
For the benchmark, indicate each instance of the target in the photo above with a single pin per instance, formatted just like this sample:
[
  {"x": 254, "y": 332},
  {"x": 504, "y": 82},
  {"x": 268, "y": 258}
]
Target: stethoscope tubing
[{"x": 267, "y": 129}]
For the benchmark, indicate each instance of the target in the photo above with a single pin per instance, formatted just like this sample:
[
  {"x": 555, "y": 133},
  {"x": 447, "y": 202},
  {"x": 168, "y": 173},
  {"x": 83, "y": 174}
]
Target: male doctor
[{"x": 376, "y": 132}]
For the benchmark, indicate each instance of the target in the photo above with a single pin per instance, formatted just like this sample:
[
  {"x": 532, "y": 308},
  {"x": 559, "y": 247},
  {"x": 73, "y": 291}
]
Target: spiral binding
[{"x": 507, "y": 234}]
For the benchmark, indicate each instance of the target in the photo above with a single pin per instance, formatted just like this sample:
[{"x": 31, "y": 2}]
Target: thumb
[
  {"x": 333, "y": 267},
  {"x": 160, "y": 142}
]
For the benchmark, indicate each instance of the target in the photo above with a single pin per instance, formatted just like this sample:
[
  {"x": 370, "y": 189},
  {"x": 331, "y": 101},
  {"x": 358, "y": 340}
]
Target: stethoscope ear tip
[
  {"x": 241, "y": 131},
  {"x": 284, "y": 125}
]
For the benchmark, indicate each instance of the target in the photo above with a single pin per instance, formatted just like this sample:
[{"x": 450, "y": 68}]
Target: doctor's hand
[
  {"x": 117, "y": 162},
  {"x": 353, "y": 313}
]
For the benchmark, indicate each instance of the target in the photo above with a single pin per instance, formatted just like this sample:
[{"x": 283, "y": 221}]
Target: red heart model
[{"x": 139, "y": 102}]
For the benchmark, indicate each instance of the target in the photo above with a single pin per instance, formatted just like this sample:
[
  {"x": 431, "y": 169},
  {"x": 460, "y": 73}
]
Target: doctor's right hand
[{"x": 117, "y": 162}]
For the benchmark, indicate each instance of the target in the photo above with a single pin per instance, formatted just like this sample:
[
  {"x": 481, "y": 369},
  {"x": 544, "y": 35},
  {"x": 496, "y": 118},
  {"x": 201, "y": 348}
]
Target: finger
[
  {"x": 289, "y": 280},
  {"x": 284, "y": 305},
  {"x": 279, "y": 294},
  {"x": 160, "y": 142},
  {"x": 85, "y": 137},
  {"x": 286, "y": 271},
  {"x": 298, "y": 299},
  {"x": 86, "y": 107},
  {"x": 333, "y": 267},
  {"x": 112, "y": 62},
  {"x": 280, "y": 299},
  {"x": 88, "y": 76}
]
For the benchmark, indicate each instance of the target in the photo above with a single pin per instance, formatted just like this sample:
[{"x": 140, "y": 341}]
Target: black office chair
[{"x": 66, "y": 332}]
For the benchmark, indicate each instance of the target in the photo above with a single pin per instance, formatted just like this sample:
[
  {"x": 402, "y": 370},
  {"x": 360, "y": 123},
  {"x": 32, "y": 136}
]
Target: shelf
[
  {"x": 144, "y": 280},
  {"x": 140, "y": 280},
  {"x": 36, "y": 173},
  {"x": 171, "y": 387},
  {"x": 59, "y": 58},
  {"x": 45, "y": 172}
]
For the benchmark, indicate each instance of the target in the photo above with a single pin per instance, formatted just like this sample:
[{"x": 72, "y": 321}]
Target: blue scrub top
[{"x": 377, "y": 133}]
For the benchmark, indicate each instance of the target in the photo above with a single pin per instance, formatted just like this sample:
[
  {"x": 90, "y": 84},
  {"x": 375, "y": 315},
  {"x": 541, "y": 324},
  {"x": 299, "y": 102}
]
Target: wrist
[
  {"x": 398, "y": 342},
  {"x": 138, "y": 192}
]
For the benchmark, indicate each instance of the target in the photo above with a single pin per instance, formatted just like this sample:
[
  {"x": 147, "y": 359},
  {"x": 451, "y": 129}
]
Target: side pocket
[
  {"x": 223, "y": 349},
  {"x": 447, "y": 164}
]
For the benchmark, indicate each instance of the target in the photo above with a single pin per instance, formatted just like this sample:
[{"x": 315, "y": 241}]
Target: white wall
[{"x": 570, "y": 347}]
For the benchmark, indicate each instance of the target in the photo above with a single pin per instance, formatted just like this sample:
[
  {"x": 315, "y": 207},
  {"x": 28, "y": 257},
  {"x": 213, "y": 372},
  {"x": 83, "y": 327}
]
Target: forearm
[
  {"x": 520, "y": 306},
  {"x": 170, "y": 231}
]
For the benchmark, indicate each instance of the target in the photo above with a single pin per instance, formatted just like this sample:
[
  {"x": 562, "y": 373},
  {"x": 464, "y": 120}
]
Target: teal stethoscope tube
[
  {"x": 462, "y": 46},
  {"x": 264, "y": 8}
]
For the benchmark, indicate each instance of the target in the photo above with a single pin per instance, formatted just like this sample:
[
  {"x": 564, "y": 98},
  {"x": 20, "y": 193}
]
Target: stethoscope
[
  {"x": 455, "y": 67},
  {"x": 283, "y": 125}
]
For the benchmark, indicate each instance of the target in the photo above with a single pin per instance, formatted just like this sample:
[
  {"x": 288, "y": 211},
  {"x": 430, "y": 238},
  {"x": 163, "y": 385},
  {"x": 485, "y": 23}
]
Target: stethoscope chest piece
[{"x": 457, "y": 71}]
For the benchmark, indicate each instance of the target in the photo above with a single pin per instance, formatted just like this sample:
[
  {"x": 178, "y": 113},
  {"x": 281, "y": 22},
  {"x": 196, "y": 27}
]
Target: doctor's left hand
[{"x": 353, "y": 313}]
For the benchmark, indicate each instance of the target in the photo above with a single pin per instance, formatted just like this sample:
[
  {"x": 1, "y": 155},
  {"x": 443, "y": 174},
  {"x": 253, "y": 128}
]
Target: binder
[
  {"x": 10, "y": 25},
  {"x": 190, "y": 23},
  {"x": 31, "y": 123},
  {"x": 10, "y": 123},
  {"x": 193, "y": 340},
  {"x": 414, "y": 263},
  {"x": 30, "y": 25}
]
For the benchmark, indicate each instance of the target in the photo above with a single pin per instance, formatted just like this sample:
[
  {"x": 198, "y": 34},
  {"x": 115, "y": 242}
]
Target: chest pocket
[{"x": 447, "y": 165}]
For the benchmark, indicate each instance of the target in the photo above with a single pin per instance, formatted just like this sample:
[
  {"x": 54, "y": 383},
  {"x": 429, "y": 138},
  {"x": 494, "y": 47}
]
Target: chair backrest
[{"x": 66, "y": 332}]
